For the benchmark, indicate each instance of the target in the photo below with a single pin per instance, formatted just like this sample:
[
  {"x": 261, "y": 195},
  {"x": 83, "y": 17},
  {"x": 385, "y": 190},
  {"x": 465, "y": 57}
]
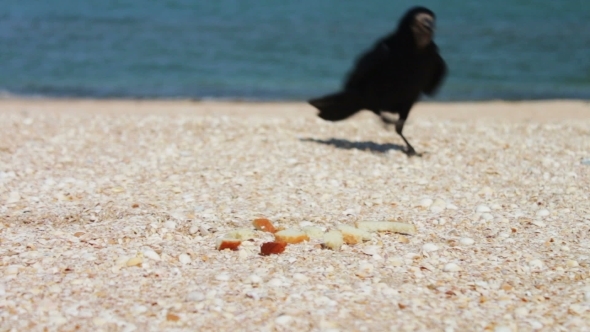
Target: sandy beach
[{"x": 110, "y": 212}]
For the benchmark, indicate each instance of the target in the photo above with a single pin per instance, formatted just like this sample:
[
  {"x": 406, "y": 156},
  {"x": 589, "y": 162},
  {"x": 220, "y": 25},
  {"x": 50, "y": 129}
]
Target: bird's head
[
  {"x": 423, "y": 29},
  {"x": 418, "y": 24}
]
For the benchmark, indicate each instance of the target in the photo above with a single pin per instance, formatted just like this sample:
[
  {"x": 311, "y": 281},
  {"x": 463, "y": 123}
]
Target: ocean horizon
[{"x": 282, "y": 51}]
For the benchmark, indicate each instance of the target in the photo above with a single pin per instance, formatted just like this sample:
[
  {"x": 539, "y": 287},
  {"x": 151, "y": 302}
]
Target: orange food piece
[
  {"x": 172, "y": 317},
  {"x": 291, "y": 236},
  {"x": 269, "y": 248},
  {"x": 264, "y": 224},
  {"x": 231, "y": 244}
]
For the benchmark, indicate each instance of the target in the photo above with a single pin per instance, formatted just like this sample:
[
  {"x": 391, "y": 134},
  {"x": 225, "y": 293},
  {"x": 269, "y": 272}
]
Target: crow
[{"x": 392, "y": 75}]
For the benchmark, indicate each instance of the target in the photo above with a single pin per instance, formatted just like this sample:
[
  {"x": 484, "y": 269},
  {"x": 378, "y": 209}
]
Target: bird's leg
[{"x": 399, "y": 127}]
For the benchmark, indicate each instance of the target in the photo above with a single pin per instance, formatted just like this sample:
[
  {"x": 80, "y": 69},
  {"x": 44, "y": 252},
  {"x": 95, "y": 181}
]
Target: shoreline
[{"x": 534, "y": 110}]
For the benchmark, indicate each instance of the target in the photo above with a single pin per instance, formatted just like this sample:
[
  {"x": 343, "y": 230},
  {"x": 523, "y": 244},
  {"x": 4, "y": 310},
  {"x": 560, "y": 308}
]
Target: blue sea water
[{"x": 282, "y": 50}]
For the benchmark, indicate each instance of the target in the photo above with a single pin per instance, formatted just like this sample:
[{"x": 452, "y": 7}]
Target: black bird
[{"x": 391, "y": 76}]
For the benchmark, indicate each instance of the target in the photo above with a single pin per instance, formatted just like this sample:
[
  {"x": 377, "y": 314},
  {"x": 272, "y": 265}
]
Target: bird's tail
[{"x": 336, "y": 107}]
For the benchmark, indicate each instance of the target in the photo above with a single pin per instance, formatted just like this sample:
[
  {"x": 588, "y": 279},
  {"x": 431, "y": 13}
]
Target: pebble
[
  {"x": 57, "y": 319},
  {"x": 371, "y": 250},
  {"x": 13, "y": 197},
  {"x": 426, "y": 202},
  {"x": 254, "y": 279},
  {"x": 437, "y": 209},
  {"x": 284, "y": 320},
  {"x": 243, "y": 253},
  {"x": 482, "y": 209},
  {"x": 502, "y": 329},
  {"x": 254, "y": 295},
  {"x": 451, "y": 267},
  {"x": 135, "y": 261},
  {"x": 149, "y": 253},
  {"x": 275, "y": 282},
  {"x": 377, "y": 257},
  {"x": 184, "y": 259},
  {"x": 195, "y": 296},
  {"x": 395, "y": 261},
  {"x": 194, "y": 230},
  {"x": 429, "y": 247},
  {"x": 486, "y": 191},
  {"x": 585, "y": 161},
  {"x": 467, "y": 241},
  {"x": 99, "y": 321},
  {"x": 587, "y": 296},
  {"x": 543, "y": 213},
  {"x": 54, "y": 289},
  {"x": 452, "y": 207},
  {"x": 439, "y": 202},
  {"x": 305, "y": 224},
  {"x": 487, "y": 216},
  {"x": 300, "y": 277},
  {"x": 521, "y": 312},
  {"x": 204, "y": 229},
  {"x": 170, "y": 225},
  {"x": 222, "y": 277},
  {"x": 572, "y": 263},
  {"x": 139, "y": 309},
  {"x": 12, "y": 269},
  {"x": 366, "y": 269},
  {"x": 438, "y": 205},
  {"x": 577, "y": 309},
  {"x": 211, "y": 294},
  {"x": 536, "y": 264}
]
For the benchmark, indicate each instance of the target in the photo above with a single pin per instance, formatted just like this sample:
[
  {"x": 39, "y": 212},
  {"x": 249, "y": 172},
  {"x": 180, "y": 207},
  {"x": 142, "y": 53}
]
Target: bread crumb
[
  {"x": 264, "y": 224},
  {"x": 231, "y": 244},
  {"x": 353, "y": 235},
  {"x": 291, "y": 236},
  {"x": 333, "y": 240},
  {"x": 386, "y": 226}
]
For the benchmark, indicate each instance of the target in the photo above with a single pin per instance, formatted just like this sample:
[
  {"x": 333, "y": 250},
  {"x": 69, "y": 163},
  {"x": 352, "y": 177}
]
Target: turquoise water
[{"x": 282, "y": 50}]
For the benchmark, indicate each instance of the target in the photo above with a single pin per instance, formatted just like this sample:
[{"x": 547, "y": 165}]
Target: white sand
[{"x": 91, "y": 189}]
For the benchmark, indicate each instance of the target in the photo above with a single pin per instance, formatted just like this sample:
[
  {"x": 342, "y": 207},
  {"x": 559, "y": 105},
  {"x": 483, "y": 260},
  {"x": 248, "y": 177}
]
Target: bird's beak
[{"x": 428, "y": 25}]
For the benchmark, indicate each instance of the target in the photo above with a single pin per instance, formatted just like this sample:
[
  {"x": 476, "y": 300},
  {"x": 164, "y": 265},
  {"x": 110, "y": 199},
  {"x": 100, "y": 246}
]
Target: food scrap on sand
[
  {"x": 386, "y": 226},
  {"x": 291, "y": 236},
  {"x": 269, "y": 248},
  {"x": 264, "y": 224},
  {"x": 231, "y": 244},
  {"x": 333, "y": 239}
]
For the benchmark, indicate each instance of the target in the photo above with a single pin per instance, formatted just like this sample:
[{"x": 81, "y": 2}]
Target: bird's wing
[
  {"x": 439, "y": 73},
  {"x": 367, "y": 64}
]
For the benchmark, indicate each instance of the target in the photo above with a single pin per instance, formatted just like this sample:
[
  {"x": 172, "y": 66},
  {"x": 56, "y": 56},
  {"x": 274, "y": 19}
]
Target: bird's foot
[{"x": 410, "y": 152}]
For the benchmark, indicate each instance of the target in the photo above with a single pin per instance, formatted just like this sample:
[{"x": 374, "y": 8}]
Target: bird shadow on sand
[{"x": 363, "y": 146}]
